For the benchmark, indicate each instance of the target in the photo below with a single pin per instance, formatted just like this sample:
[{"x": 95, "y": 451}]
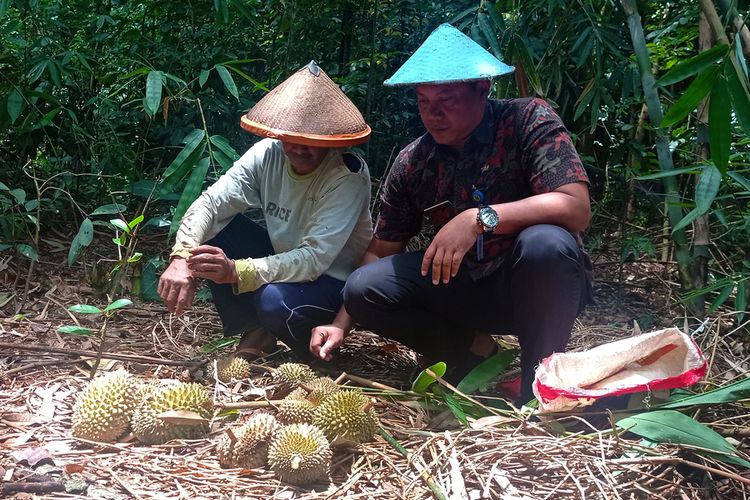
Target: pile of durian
[{"x": 295, "y": 443}]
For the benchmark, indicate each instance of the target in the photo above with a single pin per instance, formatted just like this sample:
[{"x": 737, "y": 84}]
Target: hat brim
[
  {"x": 387, "y": 83},
  {"x": 315, "y": 140}
]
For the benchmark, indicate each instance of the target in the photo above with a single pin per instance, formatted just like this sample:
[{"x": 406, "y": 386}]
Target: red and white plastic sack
[{"x": 665, "y": 359}]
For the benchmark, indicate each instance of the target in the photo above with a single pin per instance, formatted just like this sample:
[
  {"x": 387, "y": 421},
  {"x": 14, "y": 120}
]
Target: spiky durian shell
[
  {"x": 296, "y": 408},
  {"x": 149, "y": 429},
  {"x": 343, "y": 420},
  {"x": 250, "y": 450},
  {"x": 232, "y": 368},
  {"x": 290, "y": 375},
  {"x": 321, "y": 388},
  {"x": 104, "y": 408},
  {"x": 300, "y": 454}
]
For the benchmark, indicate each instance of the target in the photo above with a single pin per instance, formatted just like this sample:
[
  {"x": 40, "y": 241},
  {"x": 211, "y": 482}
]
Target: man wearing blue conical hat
[
  {"x": 280, "y": 279},
  {"x": 502, "y": 184}
]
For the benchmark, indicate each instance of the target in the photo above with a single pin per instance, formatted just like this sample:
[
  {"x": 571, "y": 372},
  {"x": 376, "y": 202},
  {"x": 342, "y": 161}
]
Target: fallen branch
[
  {"x": 110, "y": 355},
  {"x": 678, "y": 461},
  {"x": 10, "y": 488},
  {"x": 39, "y": 364},
  {"x": 435, "y": 488}
]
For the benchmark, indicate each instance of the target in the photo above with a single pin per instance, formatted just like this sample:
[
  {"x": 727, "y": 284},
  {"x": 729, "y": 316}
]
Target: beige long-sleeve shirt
[{"x": 318, "y": 223}]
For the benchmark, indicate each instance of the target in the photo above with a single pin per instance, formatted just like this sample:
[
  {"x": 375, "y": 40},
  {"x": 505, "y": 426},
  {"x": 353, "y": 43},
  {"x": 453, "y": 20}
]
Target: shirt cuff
[
  {"x": 247, "y": 277},
  {"x": 179, "y": 251}
]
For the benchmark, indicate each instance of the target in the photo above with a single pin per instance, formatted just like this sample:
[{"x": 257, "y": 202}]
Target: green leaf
[
  {"x": 190, "y": 193},
  {"x": 258, "y": 85},
  {"x": 223, "y": 144},
  {"x": 112, "y": 208},
  {"x": 76, "y": 330},
  {"x": 742, "y": 181},
  {"x": 121, "y": 225},
  {"x": 84, "y": 309},
  {"x": 27, "y": 251},
  {"x": 19, "y": 194},
  {"x": 135, "y": 221},
  {"x": 5, "y": 246},
  {"x": 118, "y": 304},
  {"x": 726, "y": 394},
  {"x": 36, "y": 72},
  {"x": 740, "y": 301},
  {"x": 154, "y": 83},
  {"x": 228, "y": 80},
  {"x": 150, "y": 282},
  {"x": 454, "y": 407},
  {"x": 485, "y": 24},
  {"x": 738, "y": 90},
  {"x": 425, "y": 380},
  {"x": 720, "y": 125},
  {"x": 723, "y": 296},
  {"x": 487, "y": 370},
  {"x": 136, "y": 257},
  {"x": 15, "y": 104},
  {"x": 693, "y": 95},
  {"x": 83, "y": 238},
  {"x": 669, "y": 173},
  {"x": 707, "y": 187},
  {"x": 4, "y": 4},
  {"x": 694, "y": 65},
  {"x": 203, "y": 78},
  {"x": 46, "y": 119},
  {"x": 669, "y": 426},
  {"x": 217, "y": 344},
  {"x": 178, "y": 165}
]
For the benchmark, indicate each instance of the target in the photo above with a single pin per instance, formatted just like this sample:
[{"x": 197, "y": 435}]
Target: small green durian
[
  {"x": 300, "y": 454},
  {"x": 290, "y": 375},
  {"x": 150, "y": 429},
  {"x": 232, "y": 368},
  {"x": 249, "y": 448},
  {"x": 296, "y": 408},
  {"x": 104, "y": 408},
  {"x": 347, "y": 417}
]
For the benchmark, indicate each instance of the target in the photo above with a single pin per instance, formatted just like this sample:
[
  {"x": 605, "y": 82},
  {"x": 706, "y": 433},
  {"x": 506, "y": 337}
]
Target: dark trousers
[
  {"x": 536, "y": 294},
  {"x": 287, "y": 310}
]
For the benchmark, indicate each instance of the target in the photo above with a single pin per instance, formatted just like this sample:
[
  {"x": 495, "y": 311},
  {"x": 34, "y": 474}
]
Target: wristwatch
[{"x": 487, "y": 219}]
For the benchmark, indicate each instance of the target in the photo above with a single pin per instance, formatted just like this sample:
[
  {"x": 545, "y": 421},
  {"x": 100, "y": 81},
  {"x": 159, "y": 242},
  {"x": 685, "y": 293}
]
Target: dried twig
[{"x": 110, "y": 355}]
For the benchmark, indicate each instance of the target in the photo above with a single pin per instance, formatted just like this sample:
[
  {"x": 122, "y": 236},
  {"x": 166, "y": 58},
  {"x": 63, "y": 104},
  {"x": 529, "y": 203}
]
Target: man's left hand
[
  {"x": 211, "y": 263},
  {"x": 444, "y": 255}
]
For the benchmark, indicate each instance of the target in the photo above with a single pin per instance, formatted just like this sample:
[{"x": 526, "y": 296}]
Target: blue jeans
[
  {"x": 536, "y": 294},
  {"x": 289, "y": 311}
]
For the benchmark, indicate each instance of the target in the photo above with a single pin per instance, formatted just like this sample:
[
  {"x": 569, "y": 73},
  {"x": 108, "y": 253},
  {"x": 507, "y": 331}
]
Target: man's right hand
[
  {"x": 177, "y": 286},
  {"x": 325, "y": 339}
]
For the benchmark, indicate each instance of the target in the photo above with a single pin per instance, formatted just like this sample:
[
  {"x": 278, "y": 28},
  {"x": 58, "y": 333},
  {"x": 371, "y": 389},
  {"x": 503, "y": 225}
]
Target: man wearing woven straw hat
[
  {"x": 505, "y": 189},
  {"x": 281, "y": 280}
]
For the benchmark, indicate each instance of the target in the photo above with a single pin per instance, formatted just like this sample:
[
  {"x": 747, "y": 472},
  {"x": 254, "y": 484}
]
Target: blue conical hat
[{"x": 448, "y": 56}]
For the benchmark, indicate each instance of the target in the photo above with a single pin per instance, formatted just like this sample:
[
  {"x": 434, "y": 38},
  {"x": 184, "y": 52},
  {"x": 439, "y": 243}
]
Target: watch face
[{"x": 488, "y": 217}]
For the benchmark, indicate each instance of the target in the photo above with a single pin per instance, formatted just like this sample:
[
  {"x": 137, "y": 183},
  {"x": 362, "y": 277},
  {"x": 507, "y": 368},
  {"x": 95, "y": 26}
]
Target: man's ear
[{"x": 483, "y": 87}]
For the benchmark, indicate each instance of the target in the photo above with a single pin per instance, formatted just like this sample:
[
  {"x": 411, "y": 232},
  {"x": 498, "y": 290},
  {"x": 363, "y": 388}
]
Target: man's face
[
  {"x": 451, "y": 111},
  {"x": 304, "y": 159}
]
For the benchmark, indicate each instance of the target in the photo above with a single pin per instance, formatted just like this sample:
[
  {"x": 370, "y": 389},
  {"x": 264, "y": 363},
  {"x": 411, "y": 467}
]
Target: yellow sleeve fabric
[
  {"x": 179, "y": 250},
  {"x": 247, "y": 276}
]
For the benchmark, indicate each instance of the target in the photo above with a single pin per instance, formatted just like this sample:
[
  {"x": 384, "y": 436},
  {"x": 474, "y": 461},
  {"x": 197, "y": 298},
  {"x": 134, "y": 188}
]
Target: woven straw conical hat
[{"x": 308, "y": 108}]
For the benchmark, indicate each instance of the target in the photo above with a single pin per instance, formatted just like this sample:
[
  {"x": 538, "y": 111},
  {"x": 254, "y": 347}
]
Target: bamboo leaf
[
  {"x": 694, "y": 65},
  {"x": 707, "y": 188},
  {"x": 737, "y": 84},
  {"x": 223, "y": 144},
  {"x": 203, "y": 78},
  {"x": 190, "y": 193},
  {"x": 192, "y": 141},
  {"x": 727, "y": 394},
  {"x": 84, "y": 309},
  {"x": 118, "y": 304},
  {"x": 723, "y": 296},
  {"x": 740, "y": 300},
  {"x": 82, "y": 239},
  {"x": 425, "y": 380},
  {"x": 487, "y": 370},
  {"x": 669, "y": 426},
  {"x": 36, "y": 72},
  {"x": 27, "y": 251},
  {"x": 485, "y": 24},
  {"x": 15, "y": 104},
  {"x": 228, "y": 80},
  {"x": 154, "y": 83},
  {"x": 742, "y": 181},
  {"x": 110, "y": 209},
  {"x": 693, "y": 95},
  {"x": 669, "y": 173},
  {"x": 720, "y": 125}
]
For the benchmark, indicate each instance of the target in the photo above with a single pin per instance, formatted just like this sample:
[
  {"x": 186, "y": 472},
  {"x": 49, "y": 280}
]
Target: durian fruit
[
  {"x": 296, "y": 408},
  {"x": 321, "y": 388},
  {"x": 232, "y": 368},
  {"x": 249, "y": 448},
  {"x": 290, "y": 375},
  {"x": 150, "y": 429},
  {"x": 300, "y": 454},
  {"x": 104, "y": 408},
  {"x": 347, "y": 417}
]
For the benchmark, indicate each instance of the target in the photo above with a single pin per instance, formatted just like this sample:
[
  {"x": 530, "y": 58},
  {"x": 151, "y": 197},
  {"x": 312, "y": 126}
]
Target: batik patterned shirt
[{"x": 520, "y": 148}]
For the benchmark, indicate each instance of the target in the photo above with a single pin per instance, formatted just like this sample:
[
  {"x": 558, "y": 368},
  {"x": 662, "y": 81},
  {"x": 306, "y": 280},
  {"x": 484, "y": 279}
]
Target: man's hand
[
  {"x": 324, "y": 340},
  {"x": 211, "y": 263},
  {"x": 444, "y": 255},
  {"x": 177, "y": 286}
]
